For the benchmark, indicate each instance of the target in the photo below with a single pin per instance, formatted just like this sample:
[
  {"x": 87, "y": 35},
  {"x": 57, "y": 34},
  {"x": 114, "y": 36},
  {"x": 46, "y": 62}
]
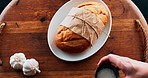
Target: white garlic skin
[
  {"x": 30, "y": 67},
  {"x": 17, "y": 60}
]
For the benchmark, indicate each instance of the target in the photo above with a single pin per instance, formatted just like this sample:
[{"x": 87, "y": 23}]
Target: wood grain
[{"x": 26, "y": 32}]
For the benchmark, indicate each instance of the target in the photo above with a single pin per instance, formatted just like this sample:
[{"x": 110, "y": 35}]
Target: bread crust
[
  {"x": 68, "y": 41},
  {"x": 96, "y": 8}
]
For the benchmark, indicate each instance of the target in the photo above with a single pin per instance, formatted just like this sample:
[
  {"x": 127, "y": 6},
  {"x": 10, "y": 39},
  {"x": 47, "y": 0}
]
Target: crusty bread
[
  {"x": 96, "y": 8},
  {"x": 71, "y": 42}
]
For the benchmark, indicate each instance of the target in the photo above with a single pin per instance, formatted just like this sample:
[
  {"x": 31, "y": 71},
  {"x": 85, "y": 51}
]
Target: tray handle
[{"x": 144, "y": 29}]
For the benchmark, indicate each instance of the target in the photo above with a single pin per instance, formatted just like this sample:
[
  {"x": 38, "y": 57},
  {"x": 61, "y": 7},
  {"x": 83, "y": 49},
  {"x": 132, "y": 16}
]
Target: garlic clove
[
  {"x": 30, "y": 67},
  {"x": 17, "y": 60}
]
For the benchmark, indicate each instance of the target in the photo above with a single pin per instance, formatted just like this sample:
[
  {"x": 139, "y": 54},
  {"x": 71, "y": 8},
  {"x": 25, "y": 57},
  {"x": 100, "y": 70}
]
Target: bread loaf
[{"x": 71, "y": 42}]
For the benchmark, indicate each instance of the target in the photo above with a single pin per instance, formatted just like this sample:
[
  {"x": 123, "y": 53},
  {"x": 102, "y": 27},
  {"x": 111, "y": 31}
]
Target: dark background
[{"x": 142, "y": 4}]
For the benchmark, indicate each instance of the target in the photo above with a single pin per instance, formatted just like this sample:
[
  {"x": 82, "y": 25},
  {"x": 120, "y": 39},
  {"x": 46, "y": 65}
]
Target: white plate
[{"x": 55, "y": 23}]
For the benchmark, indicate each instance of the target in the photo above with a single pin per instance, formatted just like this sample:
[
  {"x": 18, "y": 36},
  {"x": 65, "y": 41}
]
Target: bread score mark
[{"x": 85, "y": 5}]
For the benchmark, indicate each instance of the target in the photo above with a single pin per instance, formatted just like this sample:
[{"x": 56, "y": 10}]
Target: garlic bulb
[
  {"x": 30, "y": 67},
  {"x": 17, "y": 60}
]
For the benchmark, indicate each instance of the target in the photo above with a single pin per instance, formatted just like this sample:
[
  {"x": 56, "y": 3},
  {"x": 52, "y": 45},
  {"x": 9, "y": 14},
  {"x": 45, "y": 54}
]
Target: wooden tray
[{"x": 26, "y": 31}]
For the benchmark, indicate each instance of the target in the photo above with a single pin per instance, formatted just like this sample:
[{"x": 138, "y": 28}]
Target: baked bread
[
  {"x": 96, "y": 8},
  {"x": 71, "y": 42}
]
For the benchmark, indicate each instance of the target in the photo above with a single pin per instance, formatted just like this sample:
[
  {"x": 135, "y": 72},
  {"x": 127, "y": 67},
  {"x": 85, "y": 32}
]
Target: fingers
[
  {"x": 129, "y": 66},
  {"x": 104, "y": 60},
  {"x": 122, "y": 63},
  {"x": 110, "y": 58},
  {"x": 115, "y": 59}
]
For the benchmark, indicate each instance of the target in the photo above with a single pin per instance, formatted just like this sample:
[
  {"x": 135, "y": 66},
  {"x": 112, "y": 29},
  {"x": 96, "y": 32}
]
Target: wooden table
[{"x": 26, "y": 31}]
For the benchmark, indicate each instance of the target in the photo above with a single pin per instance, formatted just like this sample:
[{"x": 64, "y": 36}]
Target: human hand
[{"x": 131, "y": 68}]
